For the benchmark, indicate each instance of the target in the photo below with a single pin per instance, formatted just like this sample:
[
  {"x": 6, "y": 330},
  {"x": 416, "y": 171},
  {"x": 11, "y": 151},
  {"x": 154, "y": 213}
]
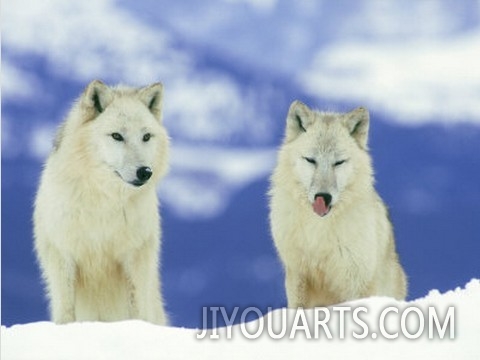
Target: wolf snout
[
  {"x": 143, "y": 174},
  {"x": 322, "y": 203}
]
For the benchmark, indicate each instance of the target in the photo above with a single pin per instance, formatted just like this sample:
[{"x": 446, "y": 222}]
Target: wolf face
[
  {"x": 123, "y": 132},
  {"x": 323, "y": 150}
]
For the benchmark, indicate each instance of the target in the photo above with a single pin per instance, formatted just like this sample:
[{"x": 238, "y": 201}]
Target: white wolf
[
  {"x": 329, "y": 225},
  {"x": 96, "y": 219}
]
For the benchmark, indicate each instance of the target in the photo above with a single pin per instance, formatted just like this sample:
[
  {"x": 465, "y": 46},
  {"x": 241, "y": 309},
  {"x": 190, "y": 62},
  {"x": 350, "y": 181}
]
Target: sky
[{"x": 421, "y": 73}]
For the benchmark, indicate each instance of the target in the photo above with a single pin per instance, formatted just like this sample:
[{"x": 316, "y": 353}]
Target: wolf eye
[
  {"x": 339, "y": 162},
  {"x": 310, "y": 160},
  {"x": 146, "y": 137},
  {"x": 116, "y": 136}
]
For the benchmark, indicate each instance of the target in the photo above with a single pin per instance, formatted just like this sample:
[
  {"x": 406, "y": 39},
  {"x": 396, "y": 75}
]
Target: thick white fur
[
  {"x": 97, "y": 237},
  {"x": 349, "y": 253}
]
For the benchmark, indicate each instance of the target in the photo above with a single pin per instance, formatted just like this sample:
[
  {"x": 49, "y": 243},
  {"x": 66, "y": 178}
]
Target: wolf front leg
[
  {"x": 145, "y": 300},
  {"x": 59, "y": 273},
  {"x": 296, "y": 289}
]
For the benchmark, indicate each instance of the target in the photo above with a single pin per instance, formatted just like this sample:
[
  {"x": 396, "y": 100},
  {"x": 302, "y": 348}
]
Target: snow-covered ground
[{"x": 455, "y": 331}]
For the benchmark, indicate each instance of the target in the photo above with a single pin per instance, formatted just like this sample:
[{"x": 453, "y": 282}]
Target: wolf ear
[
  {"x": 299, "y": 118},
  {"x": 357, "y": 123},
  {"x": 152, "y": 97},
  {"x": 96, "y": 98}
]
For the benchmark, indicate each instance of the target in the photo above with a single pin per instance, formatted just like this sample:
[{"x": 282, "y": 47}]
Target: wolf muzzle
[
  {"x": 143, "y": 174},
  {"x": 322, "y": 203}
]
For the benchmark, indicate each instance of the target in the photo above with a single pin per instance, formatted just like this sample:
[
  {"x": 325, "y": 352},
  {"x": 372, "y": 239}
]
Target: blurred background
[{"x": 230, "y": 69}]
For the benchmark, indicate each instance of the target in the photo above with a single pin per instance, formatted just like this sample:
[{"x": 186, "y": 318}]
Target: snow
[{"x": 135, "y": 339}]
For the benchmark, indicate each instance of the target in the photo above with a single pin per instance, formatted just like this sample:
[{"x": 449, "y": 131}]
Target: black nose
[
  {"x": 144, "y": 173},
  {"x": 327, "y": 198}
]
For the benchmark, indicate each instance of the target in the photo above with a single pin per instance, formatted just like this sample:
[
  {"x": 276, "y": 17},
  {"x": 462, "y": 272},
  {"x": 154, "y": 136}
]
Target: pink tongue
[{"x": 320, "y": 207}]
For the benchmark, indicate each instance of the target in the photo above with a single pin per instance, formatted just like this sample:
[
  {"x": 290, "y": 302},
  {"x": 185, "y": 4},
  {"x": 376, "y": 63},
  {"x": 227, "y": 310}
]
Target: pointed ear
[
  {"x": 299, "y": 118},
  {"x": 152, "y": 97},
  {"x": 96, "y": 98},
  {"x": 357, "y": 123}
]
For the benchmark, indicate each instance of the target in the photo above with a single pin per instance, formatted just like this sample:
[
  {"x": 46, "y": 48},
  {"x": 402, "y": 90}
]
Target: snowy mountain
[{"x": 231, "y": 68}]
